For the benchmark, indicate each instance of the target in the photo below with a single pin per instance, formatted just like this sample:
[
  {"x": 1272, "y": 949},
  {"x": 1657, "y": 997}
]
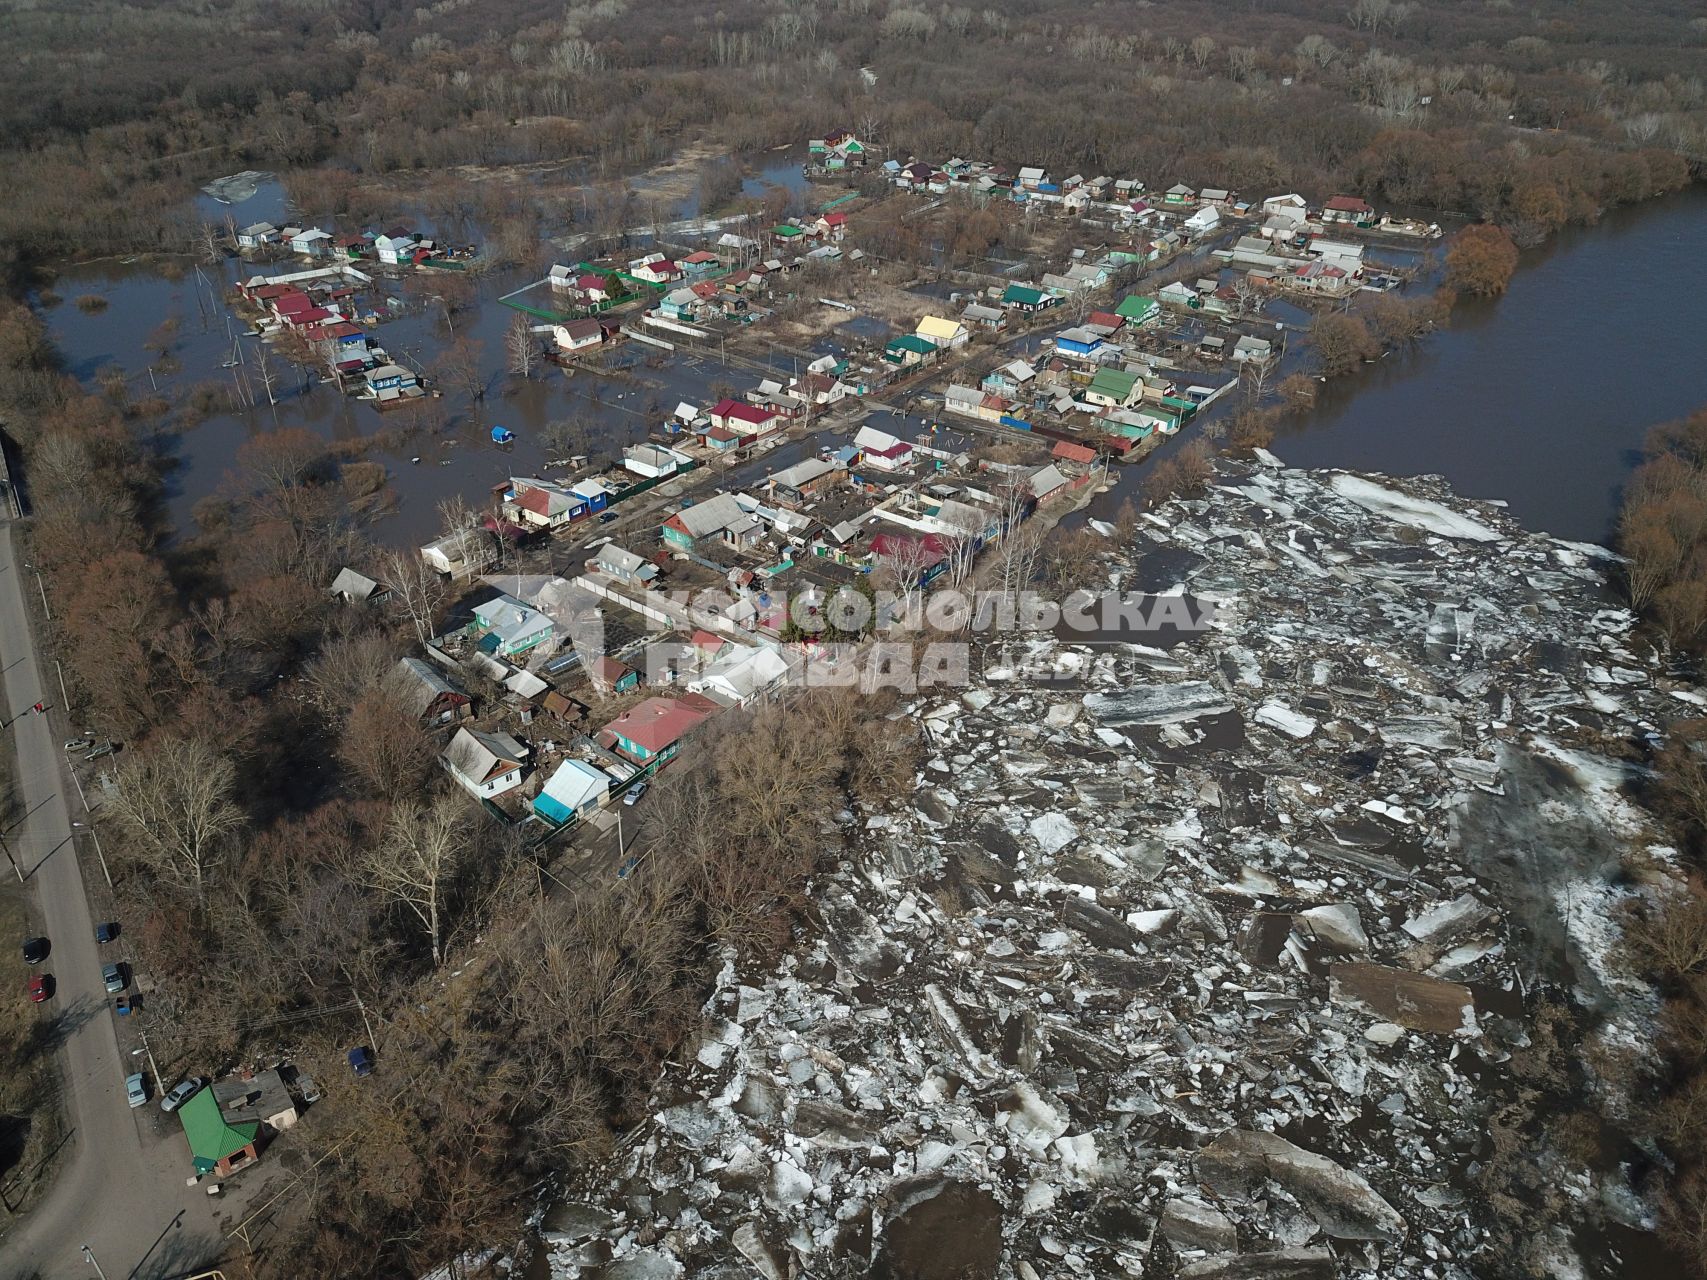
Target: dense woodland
[
  {"x": 280, "y": 819},
  {"x": 1534, "y": 116}
]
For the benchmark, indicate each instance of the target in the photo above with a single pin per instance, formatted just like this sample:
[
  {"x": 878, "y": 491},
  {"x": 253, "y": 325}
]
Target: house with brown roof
[{"x": 652, "y": 732}]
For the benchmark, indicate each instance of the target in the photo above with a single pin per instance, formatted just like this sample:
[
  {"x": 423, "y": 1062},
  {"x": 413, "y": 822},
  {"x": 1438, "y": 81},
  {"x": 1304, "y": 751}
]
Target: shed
[{"x": 575, "y": 789}]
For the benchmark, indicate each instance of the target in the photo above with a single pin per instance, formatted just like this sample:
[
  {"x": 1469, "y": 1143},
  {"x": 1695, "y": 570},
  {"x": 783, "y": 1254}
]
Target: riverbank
[{"x": 1540, "y": 398}]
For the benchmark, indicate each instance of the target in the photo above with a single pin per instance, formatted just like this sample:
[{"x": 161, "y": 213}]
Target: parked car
[
  {"x": 135, "y": 1090},
  {"x": 36, "y": 949},
  {"x": 107, "y": 931},
  {"x": 41, "y": 987},
  {"x": 361, "y": 1061},
  {"x": 633, "y": 794},
  {"x": 100, "y": 749},
  {"x": 115, "y": 977},
  {"x": 182, "y": 1092},
  {"x": 606, "y": 517},
  {"x": 79, "y": 744}
]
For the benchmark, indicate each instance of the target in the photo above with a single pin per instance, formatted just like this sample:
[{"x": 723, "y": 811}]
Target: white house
[
  {"x": 883, "y": 451},
  {"x": 312, "y": 243},
  {"x": 651, "y": 460},
  {"x": 661, "y": 272},
  {"x": 485, "y": 764},
  {"x": 742, "y": 677},
  {"x": 394, "y": 250},
  {"x": 574, "y": 790},
  {"x": 459, "y": 554},
  {"x": 257, "y": 235},
  {"x": 1256, "y": 350},
  {"x": 1292, "y": 204},
  {"x": 1205, "y": 220}
]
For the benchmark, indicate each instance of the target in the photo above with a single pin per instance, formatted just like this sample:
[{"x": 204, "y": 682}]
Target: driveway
[{"x": 119, "y": 1186}]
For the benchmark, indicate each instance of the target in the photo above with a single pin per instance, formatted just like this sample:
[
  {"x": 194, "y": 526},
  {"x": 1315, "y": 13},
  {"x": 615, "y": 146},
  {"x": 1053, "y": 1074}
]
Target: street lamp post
[{"x": 90, "y": 1255}]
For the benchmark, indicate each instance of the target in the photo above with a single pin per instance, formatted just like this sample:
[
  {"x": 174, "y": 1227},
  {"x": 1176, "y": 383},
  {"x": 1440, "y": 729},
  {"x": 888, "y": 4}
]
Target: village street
[{"x": 119, "y": 1185}]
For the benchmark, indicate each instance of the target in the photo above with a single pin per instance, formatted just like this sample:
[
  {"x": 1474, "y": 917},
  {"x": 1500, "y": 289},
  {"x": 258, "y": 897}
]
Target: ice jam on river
[{"x": 1212, "y": 961}]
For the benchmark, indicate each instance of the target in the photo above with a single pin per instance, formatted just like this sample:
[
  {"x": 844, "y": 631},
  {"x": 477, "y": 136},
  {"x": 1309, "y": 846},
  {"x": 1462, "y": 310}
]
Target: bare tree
[
  {"x": 418, "y": 860},
  {"x": 1016, "y": 554},
  {"x": 417, "y": 593},
  {"x": 520, "y": 347},
  {"x": 348, "y": 669},
  {"x": 176, "y": 802}
]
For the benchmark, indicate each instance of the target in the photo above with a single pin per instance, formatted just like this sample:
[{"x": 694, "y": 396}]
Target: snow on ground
[{"x": 1212, "y": 943}]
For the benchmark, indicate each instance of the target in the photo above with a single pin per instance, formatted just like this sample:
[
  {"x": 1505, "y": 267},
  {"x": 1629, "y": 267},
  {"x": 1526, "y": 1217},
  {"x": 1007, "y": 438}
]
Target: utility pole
[
  {"x": 41, "y": 588},
  {"x": 159, "y": 1084},
  {"x": 16, "y": 869},
  {"x": 90, "y": 1255}
]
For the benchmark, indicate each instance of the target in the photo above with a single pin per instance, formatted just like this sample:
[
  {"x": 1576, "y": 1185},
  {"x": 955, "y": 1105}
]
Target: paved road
[{"x": 119, "y": 1185}]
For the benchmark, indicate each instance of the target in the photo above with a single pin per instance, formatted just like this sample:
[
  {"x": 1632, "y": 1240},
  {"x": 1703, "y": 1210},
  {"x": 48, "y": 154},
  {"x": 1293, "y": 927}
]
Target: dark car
[
  {"x": 361, "y": 1061},
  {"x": 107, "y": 931},
  {"x": 607, "y": 517},
  {"x": 41, "y": 987},
  {"x": 35, "y": 950}
]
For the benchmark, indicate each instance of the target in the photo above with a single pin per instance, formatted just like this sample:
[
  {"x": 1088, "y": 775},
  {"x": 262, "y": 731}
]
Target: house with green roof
[
  {"x": 1022, "y": 297},
  {"x": 216, "y": 1145},
  {"x": 910, "y": 349},
  {"x": 1115, "y": 388},
  {"x": 1136, "y": 309}
]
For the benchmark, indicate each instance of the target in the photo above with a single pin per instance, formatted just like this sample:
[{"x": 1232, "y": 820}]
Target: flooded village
[{"x": 753, "y": 409}]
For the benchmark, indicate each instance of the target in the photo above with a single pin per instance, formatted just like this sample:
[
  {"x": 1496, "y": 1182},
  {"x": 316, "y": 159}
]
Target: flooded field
[{"x": 168, "y": 328}]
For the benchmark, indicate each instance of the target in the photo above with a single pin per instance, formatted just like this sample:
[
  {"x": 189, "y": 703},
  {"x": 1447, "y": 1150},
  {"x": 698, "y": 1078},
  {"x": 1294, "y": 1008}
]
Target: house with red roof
[
  {"x": 1067, "y": 451},
  {"x": 1347, "y": 209},
  {"x": 613, "y": 676},
  {"x": 663, "y": 271},
  {"x": 652, "y": 732},
  {"x": 742, "y": 419}
]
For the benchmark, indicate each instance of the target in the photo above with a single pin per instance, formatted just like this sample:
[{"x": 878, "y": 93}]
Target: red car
[{"x": 41, "y": 987}]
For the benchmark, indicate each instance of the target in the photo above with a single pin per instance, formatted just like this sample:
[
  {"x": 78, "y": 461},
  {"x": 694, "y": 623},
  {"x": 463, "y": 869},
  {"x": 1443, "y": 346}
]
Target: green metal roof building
[
  {"x": 1023, "y": 295},
  {"x": 1136, "y": 308},
  {"x": 216, "y": 1146},
  {"x": 1114, "y": 384}
]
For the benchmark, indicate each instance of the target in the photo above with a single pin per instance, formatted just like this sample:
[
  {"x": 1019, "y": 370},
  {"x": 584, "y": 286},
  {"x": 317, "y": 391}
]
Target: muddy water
[{"x": 1542, "y": 398}]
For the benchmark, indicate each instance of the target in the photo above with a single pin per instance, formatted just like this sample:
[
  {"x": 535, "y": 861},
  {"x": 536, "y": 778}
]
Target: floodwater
[
  {"x": 1541, "y": 398},
  {"x": 439, "y": 449}
]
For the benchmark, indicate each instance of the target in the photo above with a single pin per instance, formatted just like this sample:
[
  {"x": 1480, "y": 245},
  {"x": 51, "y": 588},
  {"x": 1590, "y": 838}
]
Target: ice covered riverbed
[{"x": 1226, "y": 946}]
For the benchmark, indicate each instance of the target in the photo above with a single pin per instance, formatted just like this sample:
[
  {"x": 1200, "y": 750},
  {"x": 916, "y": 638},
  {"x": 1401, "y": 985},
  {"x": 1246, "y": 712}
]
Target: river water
[{"x": 1541, "y": 398}]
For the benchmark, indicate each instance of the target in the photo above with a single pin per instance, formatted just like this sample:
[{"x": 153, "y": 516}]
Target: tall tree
[{"x": 177, "y": 802}]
